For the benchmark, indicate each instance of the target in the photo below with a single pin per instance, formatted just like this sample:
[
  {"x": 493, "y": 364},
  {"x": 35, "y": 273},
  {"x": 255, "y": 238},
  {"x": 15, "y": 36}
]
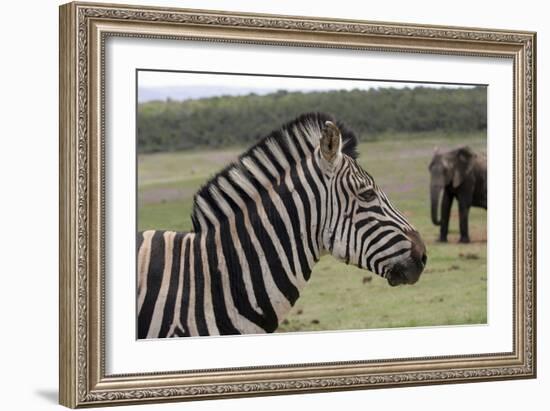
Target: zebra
[{"x": 259, "y": 227}]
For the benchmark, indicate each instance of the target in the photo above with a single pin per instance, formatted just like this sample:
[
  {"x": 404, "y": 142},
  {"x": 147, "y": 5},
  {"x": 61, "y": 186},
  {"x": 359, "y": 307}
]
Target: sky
[{"x": 160, "y": 85}]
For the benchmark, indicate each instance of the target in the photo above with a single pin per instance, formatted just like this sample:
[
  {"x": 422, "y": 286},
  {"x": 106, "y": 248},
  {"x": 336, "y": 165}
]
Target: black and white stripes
[{"x": 260, "y": 225}]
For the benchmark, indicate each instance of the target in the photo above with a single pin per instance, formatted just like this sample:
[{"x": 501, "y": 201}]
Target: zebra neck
[
  {"x": 259, "y": 249},
  {"x": 255, "y": 272}
]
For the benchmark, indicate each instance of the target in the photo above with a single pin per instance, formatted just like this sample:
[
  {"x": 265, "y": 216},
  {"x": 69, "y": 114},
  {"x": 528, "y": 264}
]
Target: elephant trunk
[{"x": 435, "y": 194}]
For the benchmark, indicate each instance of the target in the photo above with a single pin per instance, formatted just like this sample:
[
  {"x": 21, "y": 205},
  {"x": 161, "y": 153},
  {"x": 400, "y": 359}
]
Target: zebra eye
[{"x": 368, "y": 195}]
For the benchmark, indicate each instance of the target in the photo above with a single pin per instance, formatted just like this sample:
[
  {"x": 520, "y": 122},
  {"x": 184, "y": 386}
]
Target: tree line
[{"x": 224, "y": 121}]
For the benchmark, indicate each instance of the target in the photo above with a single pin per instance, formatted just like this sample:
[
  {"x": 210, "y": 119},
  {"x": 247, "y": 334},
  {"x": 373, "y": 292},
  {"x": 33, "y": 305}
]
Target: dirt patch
[
  {"x": 163, "y": 195},
  {"x": 478, "y": 235},
  {"x": 222, "y": 158},
  {"x": 469, "y": 256}
]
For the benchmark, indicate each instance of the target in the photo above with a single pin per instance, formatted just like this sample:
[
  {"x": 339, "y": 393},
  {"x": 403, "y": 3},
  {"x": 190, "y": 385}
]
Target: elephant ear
[{"x": 464, "y": 165}]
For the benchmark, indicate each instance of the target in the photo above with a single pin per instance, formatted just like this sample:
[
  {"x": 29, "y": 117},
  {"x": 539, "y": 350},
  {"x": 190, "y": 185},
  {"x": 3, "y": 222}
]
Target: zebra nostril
[{"x": 424, "y": 259}]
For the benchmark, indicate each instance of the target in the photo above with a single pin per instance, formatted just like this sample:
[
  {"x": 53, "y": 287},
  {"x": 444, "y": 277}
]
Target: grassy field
[{"x": 452, "y": 290}]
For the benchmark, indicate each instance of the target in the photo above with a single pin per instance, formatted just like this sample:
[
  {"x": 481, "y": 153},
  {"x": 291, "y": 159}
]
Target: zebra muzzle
[
  {"x": 408, "y": 272},
  {"x": 397, "y": 277}
]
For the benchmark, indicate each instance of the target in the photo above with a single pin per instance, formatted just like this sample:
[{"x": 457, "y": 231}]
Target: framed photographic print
[{"x": 259, "y": 204}]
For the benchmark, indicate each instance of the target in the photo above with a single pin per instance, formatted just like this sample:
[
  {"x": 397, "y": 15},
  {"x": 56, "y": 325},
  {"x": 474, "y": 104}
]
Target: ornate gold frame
[{"x": 83, "y": 30}]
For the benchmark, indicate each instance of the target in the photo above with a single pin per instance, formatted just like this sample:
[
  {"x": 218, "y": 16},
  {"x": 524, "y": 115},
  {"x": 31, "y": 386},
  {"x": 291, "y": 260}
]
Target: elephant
[{"x": 462, "y": 174}]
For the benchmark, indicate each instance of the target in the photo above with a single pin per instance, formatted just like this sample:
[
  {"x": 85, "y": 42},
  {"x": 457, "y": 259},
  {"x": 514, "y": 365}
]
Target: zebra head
[{"x": 362, "y": 227}]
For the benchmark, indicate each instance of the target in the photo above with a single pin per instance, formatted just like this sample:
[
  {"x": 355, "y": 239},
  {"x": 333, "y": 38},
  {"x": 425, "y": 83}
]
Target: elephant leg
[
  {"x": 446, "y": 203},
  {"x": 463, "y": 211}
]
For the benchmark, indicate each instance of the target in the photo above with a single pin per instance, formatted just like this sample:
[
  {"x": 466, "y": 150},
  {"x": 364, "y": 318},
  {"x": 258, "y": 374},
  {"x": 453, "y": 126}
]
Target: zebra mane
[{"x": 293, "y": 142}]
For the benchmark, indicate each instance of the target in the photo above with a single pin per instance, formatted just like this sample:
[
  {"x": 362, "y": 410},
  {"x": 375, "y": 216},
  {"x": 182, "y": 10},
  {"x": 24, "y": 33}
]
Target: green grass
[{"x": 452, "y": 289}]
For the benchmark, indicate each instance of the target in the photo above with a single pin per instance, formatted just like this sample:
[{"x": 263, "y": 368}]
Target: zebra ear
[{"x": 331, "y": 142}]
